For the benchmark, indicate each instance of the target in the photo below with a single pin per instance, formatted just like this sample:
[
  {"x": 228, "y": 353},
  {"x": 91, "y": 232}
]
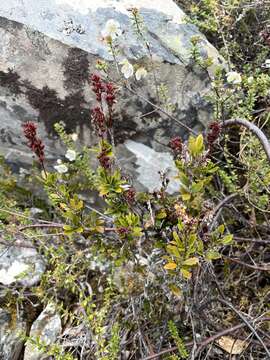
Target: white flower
[
  {"x": 71, "y": 155},
  {"x": 127, "y": 68},
  {"x": 140, "y": 73},
  {"x": 112, "y": 29},
  {"x": 125, "y": 187},
  {"x": 61, "y": 168},
  {"x": 74, "y": 137},
  {"x": 250, "y": 80},
  {"x": 59, "y": 161},
  {"x": 233, "y": 77},
  {"x": 267, "y": 64}
]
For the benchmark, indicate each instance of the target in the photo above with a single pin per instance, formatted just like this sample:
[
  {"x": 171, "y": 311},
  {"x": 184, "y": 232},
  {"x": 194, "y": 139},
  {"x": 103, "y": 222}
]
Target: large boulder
[
  {"x": 12, "y": 329},
  {"x": 20, "y": 265},
  {"x": 48, "y": 49},
  {"x": 45, "y": 330}
]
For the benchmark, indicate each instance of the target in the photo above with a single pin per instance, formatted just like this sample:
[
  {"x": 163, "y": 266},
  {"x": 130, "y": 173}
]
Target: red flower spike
[
  {"x": 130, "y": 195},
  {"x": 97, "y": 86},
  {"x": 176, "y": 145},
  {"x": 212, "y": 136},
  {"x": 98, "y": 120},
  {"x": 34, "y": 143}
]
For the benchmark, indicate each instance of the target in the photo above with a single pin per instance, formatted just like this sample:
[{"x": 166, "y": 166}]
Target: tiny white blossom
[
  {"x": 71, "y": 155},
  {"x": 127, "y": 68},
  {"x": 125, "y": 186},
  {"x": 62, "y": 168},
  {"x": 141, "y": 73},
  {"x": 233, "y": 77},
  {"x": 74, "y": 137},
  {"x": 59, "y": 161},
  {"x": 250, "y": 79},
  {"x": 112, "y": 29}
]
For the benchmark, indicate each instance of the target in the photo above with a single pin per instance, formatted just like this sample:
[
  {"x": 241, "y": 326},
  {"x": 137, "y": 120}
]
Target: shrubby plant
[{"x": 151, "y": 270}]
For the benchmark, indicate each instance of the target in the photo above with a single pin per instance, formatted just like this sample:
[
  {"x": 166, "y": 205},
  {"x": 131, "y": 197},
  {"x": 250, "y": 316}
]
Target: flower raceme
[
  {"x": 130, "y": 195},
  {"x": 98, "y": 120},
  {"x": 100, "y": 87},
  {"x": 105, "y": 93},
  {"x": 176, "y": 145},
  {"x": 213, "y": 134},
  {"x": 34, "y": 143},
  {"x": 97, "y": 86}
]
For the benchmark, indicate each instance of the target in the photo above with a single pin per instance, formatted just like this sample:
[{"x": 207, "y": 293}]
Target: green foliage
[
  {"x": 117, "y": 269},
  {"x": 178, "y": 340}
]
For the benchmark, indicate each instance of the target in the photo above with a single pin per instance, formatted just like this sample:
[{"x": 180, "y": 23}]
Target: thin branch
[
  {"x": 254, "y": 129},
  {"x": 253, "y": 267},
  {"x": 24, "y": 216},
  {"x": 210, "y": 339},
  {"x": 160, "y": 109},
  {"x": 259, "y": 241},
  {"x": 216, "y": 211},
  {"x": 54, "y": 225},
  {"x": 166, "y": 351}
]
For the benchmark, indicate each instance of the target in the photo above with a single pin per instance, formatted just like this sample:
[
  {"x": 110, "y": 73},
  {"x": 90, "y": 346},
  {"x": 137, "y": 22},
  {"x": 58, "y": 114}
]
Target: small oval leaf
[{"x": 170, "y": 266}]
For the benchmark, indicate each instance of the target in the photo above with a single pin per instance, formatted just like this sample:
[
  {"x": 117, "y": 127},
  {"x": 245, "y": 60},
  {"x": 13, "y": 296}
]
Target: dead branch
[{"x": 254, "y": 129}]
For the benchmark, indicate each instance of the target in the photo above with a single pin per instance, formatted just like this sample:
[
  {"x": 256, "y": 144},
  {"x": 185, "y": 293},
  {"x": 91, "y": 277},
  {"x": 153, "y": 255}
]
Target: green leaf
[
  {"x": 137, "y": 231},
  {"x": 221, "y": 229},
  {"x": 197, "y": 187},
  {"x": 227, "y": 239},
  {"x": 200, "y": 246},
  {"x": 212, "y": 255},
  {"x": 170, "y": 266},
  {"x": 68, "y": 229},
  {"x": 186, "y": 196},
  {"x": 186, "y": 274},
  {"x": 195, "y": 145},
  {"x": 173, "y": 250},
  {"x": 192, "y": 144},
  {"x": 178, "y": 241},
  {"x": 199, "y": 143},
  {"x": 191, "y": 261},
  {"x": 180, "y": 225},
  {"x": 176, "y": 237},
  {"x": 183, "y": 178},
  {"x": 175, "y": 290}
]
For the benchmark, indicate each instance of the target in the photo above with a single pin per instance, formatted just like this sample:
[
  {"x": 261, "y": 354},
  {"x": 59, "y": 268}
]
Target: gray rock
[
  {"x": 12, "y": 328},
  {"x": 21, "y": 266},
  {"x": 47, "y": 327},
  {"x": 48, "y": 49}
]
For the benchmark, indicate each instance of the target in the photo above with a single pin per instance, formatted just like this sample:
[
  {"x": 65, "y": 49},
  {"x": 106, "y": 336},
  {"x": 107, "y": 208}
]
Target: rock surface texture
[
  {"x": 46, "y": 328},
  {"x": 48, "y": 49},
  {"x": 12, "y": 327},
  {"x": 21, "y": 266}
]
